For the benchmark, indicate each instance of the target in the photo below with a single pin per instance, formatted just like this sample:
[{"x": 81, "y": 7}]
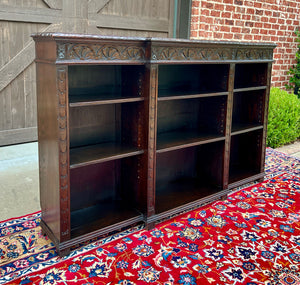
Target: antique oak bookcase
[{"x": 135, "y": 130}]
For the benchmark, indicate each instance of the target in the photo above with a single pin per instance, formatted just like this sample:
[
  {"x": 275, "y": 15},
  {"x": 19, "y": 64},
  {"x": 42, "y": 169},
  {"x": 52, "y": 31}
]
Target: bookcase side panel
[{"x": 48, "y": 133}]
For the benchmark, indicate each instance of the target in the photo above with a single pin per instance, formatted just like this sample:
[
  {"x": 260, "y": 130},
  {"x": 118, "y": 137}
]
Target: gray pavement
[{"x": 19, "y": 178}]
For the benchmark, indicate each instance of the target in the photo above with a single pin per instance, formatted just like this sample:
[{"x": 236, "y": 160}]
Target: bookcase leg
[
  {"x": 63, "y": 252},
  {"x": 150, "y": 226},
  {"x": 223, "y": 198}
]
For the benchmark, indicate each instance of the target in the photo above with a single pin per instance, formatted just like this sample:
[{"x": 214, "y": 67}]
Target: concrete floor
[{"x": 19, "y": 178}]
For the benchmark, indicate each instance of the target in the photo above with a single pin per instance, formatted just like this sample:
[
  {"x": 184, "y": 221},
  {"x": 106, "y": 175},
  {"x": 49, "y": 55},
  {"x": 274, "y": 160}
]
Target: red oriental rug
[{"x": 253, "y": 237}]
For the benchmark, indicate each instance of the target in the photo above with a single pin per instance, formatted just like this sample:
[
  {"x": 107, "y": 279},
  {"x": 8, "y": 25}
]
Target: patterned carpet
[{"x": 253, "y": 237}]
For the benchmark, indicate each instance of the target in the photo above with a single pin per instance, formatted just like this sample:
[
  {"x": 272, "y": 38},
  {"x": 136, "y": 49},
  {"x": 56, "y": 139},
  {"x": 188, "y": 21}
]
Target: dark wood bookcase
[{"x": 136, "y": 130}]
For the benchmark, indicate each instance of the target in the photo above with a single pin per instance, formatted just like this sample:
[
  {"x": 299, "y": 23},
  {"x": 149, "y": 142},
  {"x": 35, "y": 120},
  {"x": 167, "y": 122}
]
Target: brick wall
[{"x": 251, "y": 21}]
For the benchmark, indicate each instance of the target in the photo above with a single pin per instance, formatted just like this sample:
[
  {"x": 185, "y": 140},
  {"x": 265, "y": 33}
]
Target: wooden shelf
[
  {"x": 245, "y": 128},
  {"x": 82, "y": 156},
  {"x": 102, "y": 215},
  {"x": 90, "y": 100},
  {"x": 182, "y": 139},
  {"x": 179, "y": 192},
  {"x": 164, "y": 96},
  {"x": 246, "y": 89}
]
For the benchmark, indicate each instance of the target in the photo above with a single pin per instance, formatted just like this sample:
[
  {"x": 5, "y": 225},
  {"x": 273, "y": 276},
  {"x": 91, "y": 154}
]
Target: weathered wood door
[{"x": 20, "y": 18}]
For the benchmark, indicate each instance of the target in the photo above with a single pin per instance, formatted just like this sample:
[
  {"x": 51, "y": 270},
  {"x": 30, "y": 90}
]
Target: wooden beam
[
  {"x": 31, "y": 15},
  {"x": 95, "y": 6},
  {"x": 54, "y": 4},
  {"x": 22, "y": 60},
  {"x": 16, "y": 136},
  {"x": 130, "y": 23}
]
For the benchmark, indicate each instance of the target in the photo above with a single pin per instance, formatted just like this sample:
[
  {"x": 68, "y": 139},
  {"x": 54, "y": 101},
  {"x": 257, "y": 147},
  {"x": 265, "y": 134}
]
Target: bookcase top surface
[{"x": 68, "y": 37}]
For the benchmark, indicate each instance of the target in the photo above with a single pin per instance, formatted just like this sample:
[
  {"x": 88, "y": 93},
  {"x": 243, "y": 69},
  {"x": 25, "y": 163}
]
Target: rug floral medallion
[{"x": 251, "y": 238}]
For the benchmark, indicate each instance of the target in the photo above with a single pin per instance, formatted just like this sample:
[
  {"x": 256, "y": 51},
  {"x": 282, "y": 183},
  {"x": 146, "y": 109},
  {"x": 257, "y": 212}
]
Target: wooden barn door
[{"x": 20, "y": 18}]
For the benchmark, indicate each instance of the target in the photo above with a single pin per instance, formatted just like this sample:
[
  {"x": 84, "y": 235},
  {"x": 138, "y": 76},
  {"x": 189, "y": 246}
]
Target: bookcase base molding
[{"x": 137, "y": 130}]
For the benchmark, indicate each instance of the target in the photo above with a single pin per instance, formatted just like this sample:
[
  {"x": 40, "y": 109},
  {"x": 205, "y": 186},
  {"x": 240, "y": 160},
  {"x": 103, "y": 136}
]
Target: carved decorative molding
[
  {"x": 210, "y": 54},
  {"x": 63, "y": 153},
  {"x": 71, "y": 51}
]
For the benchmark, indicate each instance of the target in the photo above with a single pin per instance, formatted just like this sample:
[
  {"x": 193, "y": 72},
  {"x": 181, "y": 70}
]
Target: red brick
[
  {"x": 246, "y": 17},
  {"x": 257, "y": 4},
  {"x": 272, "y": 20},
  {"x": 264, "y": 19},
  {"x": 226, "y": 15},
  {"x": 237, "y": 36},
  {"x": 218, "y": 35},
  {"x": 296, "y": 23},
  {"x": 228, "y": 36},
  {"x": 194, "y": 33},
  {"x": 236, "y": 29},
  {"x": 236, "y": 16},
  {"x": 219, "y": 21},
  {"x": 194, "y": 26},
  {"x": 229, "y": 22},
  {"x": 263, "y": 31},
  {"x": 245, "y": 30},
  {"x": 268, "y": 13},
  {"x": 249, "y": 3},
  {"x": 249, "y": 24},
  {"x": 259, "y": 12},
  {"x": 228, "y": 1},
  {"x": 258, "y": 25},
  {"x": 272, "y": 32},
  {"x": 215, "y": 13},
  {"x": 239, "y": 23},
  {"x": 205, "y": 12},
  {"x": 194, "y": 19},
  {"x": 250, "y": 11},
  {"x": 230, "y": 8},
  {"x": 240, "y": 10},
  {"x": 225, "y": 29},
  {"x": 219, "y": 7},
  {"x": 207, "y": 5},
  {"x": 248, "y": 37},
  {"x": 257, "y": 37},
  {"x": 267, "y": 26},
  {"x": 195, "y": 3},
  {"x": 238, "y": 2}
]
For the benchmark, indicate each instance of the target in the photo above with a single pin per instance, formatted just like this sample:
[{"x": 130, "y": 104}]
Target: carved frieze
[
  {"x": 210, "y": 54},
  {"x": 63, "y": 153},
  {"x": 78, "y": 51}
]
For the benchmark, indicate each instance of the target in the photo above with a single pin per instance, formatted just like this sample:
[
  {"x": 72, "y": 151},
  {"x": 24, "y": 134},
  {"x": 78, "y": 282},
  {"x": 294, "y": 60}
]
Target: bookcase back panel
[
  {"x": 188, "y": 174},
  {"x": 95, "y": 124},
  {"x": 250, "y": 75},
  {"x": 192, "y": 79},
  {"x": 202, "y": 115},
  {"x": 92, "y": 82},
  {"x": 106, "y": 182},
  {"x": 245, "y": 155},
  {"x": 248, "y": 108},
  {"x": 110, "y": 123}
]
